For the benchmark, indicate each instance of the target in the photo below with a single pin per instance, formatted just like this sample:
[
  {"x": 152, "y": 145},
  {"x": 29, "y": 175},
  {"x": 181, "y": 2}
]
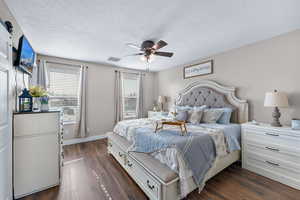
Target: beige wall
[
  {"x": 253, "y": 70},
  {"x": 5, "y": 15},
  {"x": 100, "y": 97}
]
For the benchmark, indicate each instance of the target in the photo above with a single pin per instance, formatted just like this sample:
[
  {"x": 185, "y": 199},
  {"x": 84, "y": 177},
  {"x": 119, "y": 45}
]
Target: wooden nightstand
[
  {"x": 273, "y": 152},
  {"x": 157, "y": 114}
]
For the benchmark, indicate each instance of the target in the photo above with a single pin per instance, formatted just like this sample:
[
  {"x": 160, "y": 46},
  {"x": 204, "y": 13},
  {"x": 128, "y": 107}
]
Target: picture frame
[{"x": 198, "y": 69}]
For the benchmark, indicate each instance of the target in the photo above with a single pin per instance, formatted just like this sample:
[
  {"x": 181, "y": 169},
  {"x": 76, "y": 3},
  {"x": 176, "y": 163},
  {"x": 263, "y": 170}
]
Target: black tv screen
[{"x": 26, "y": 56}]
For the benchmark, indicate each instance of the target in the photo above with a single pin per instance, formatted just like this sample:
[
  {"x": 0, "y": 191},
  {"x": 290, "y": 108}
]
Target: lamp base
[{"x": 276, "y": 115}]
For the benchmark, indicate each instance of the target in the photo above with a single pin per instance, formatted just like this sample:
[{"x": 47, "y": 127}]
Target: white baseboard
[{"x": 81, "y": 140}]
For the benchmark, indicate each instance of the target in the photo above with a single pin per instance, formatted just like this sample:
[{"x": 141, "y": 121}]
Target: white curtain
[
  {"x": 141, "y": 96},
  {"x": 118, "y": 97},
  {"x": 82, "y": 125},
  {"x": 42, "y": 78}
]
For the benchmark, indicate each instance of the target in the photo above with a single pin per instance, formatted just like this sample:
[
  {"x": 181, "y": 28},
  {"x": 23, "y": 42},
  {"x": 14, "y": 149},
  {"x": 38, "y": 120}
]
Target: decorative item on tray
[
  {"x": 37, "y": 93},
  {"x": 25, "y": 101},
  {"x": 276, "y": 99},
  {"x": 180, "y": 124}
]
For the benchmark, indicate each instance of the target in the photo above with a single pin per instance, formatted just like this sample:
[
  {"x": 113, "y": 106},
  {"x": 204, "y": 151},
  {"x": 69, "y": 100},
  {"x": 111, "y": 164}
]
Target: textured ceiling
[{"x": 94, "y": 30}]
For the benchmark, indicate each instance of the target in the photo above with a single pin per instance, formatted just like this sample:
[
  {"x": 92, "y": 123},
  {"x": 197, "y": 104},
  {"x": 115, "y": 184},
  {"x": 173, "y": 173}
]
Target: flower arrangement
[
  {"x": 44, "y": 100},
  {"x": 37, "y": 91}
]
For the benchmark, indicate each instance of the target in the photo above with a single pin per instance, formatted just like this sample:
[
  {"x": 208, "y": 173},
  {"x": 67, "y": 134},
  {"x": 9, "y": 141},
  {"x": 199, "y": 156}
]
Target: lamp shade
[
  {"x": 276, "y": 99},
  {"x": 161, "y": 99}
]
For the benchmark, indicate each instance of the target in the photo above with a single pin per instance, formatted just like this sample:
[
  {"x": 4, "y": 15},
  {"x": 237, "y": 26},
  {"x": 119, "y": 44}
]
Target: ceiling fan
[{"x": 149, "y": 48}]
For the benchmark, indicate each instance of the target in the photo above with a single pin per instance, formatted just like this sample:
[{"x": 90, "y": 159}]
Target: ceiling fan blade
[
  {"x": 136, "y": 54},
  {"x": 133, "y": 46},
  {"x": 166, "y": 54},
  {"x": 160, "y": 44}
]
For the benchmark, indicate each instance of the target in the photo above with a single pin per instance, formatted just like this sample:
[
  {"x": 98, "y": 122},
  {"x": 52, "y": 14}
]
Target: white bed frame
[{"x": 149, "y": 182}]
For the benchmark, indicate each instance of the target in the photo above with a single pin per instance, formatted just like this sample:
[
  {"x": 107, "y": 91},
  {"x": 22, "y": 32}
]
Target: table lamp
[
  {"x": 276, "y": 99},
  {"x": 161, "y": 100}
]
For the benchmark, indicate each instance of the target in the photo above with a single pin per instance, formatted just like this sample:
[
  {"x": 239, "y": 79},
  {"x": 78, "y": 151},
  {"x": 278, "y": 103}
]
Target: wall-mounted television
[{"x": 25, "y": 56}]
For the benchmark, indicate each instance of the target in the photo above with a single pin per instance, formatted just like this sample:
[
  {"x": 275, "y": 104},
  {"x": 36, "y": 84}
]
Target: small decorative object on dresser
[
  {"x": 37, "y": 92},
  {"x": 44, "y": 103},
  {"x": 25, "y": 101},
  {"x": 161, "y": 100},
  {"x": 276, "y": 99},
  {"x": 273, "y": 152}
]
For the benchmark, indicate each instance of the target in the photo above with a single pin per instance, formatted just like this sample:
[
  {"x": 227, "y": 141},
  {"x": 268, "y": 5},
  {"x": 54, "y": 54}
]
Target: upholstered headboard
[{"x": 214, "y": 95}]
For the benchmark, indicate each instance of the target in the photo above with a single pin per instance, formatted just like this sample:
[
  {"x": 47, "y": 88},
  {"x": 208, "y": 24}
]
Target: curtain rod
[
  {"x": 61, "y": 63},
  {"x": 137, "y": 73}
]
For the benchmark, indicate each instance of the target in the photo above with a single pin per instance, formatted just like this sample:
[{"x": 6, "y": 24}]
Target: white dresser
[
  {"x": 273, "y": 152},
  {"x": 37, "y": 152}
]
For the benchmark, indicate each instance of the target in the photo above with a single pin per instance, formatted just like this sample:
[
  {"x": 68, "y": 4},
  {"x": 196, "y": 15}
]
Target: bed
[{"x": 157, "y": 178}]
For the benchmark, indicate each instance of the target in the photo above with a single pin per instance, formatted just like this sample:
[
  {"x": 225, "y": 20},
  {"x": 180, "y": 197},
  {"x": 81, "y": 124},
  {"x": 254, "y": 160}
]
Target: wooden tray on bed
[{"x": 180, "y": 124}]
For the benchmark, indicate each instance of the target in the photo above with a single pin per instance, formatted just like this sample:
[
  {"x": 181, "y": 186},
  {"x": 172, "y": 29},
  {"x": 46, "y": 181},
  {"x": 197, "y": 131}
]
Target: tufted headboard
[{"x": 214, "y": 95}]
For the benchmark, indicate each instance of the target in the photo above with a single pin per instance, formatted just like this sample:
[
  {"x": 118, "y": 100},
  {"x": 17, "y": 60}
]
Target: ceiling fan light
[
  {"x": 143, "y": 58},
  {"x": 150, "y": 58}
]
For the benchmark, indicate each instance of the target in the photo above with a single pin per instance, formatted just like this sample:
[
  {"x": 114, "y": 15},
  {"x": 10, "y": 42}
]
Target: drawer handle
[
  {"x": 272, "y": 149},
  {"x": 129, "y": 164},
  {"x": 150, "y": 186},
  {"x": 272, "y": 163},
  {"x": 272, "y": 134},
  {"x": 120, "y": 154}
]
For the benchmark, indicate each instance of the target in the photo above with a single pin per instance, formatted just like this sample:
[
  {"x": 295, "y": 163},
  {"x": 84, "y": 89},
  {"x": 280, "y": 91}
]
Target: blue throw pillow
[
  {"x": 225, "y": 117},
  {"x": 199, "y": 108},
  {"x": 182, "y": 115},
  {"x": 183, "y": 108}
]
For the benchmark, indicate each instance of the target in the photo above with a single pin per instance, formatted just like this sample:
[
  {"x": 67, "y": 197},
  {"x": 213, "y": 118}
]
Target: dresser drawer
[
  {"x": 271, "y": 137},
  {"x": 274, "y": 168},
  {"x": 36, "y": 124},
  {"x": 150, "y": 186},
  {"x": 285, "y": 153},
  {"x": 115, "y": 150}
]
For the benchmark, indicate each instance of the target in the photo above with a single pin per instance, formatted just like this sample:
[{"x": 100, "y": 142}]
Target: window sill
[
  {"x": 126, "y": 118},
  {"x": 69, "y": 123}
]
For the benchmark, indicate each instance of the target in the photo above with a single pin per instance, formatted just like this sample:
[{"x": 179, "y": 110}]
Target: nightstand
[
  {"x": 273, "y": 152},
  {"x": 157, "y": 114}
]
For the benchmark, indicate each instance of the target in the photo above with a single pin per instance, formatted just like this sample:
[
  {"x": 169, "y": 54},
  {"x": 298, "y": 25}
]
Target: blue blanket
[
  {"x": 197, "y": 149},
  {"x": 232, "y": 133}
]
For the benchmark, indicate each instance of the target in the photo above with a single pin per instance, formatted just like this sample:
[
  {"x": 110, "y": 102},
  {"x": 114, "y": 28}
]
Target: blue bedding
[
  {"x": 197, "y": 149},
  {"x": 232, "y": 134}
]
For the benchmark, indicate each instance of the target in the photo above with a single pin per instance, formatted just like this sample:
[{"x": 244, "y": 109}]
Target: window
[
  {"x": 63, "y": 89},
  {"x": 130, "y": 86}
]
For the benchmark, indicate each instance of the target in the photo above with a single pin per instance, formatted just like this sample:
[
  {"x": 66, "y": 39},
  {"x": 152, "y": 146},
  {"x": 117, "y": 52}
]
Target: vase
[
  {"x": 44, "y": 107},
  {"x": 36, "y": 104}
]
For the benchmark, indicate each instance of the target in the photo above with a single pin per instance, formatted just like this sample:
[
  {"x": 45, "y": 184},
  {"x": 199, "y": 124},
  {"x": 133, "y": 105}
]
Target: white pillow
[
  {"x": 211, "y": 115},
  {"x": 194, "y": 116}
]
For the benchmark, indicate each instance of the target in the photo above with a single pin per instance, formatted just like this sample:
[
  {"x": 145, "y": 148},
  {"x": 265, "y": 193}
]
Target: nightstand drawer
[
  {"x": 271, "y": 137},
  {"x": 284, "y": 172},
  {"x": 284, "y": 153}
]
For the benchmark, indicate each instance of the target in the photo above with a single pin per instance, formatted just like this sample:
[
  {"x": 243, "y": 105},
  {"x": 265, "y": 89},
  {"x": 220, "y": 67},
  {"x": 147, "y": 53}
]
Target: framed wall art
[{"x": 199, "y": 69}]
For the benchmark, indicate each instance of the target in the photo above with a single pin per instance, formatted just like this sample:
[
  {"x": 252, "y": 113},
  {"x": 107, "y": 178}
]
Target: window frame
[
  {"x": 71, "y": 97},
  {"x": 137, "y": 79}
]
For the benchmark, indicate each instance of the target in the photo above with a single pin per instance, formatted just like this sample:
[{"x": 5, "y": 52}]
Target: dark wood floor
[{"x": 91, "y": 174}]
